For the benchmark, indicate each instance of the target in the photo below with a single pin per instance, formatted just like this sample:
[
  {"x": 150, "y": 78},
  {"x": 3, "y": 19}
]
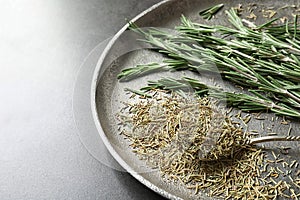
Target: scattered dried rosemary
[
  {"x": 190, "y": 140},
  {"x": 195, "y": 124}
]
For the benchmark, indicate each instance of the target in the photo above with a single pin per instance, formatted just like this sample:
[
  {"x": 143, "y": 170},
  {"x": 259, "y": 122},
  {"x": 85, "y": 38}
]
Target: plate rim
[{"x": 96, "y": 119}]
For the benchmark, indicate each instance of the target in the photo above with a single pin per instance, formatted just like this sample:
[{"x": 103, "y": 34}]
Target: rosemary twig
[
  {"x": 245, "y": 102},
  {"x": 253, "y": 58}
]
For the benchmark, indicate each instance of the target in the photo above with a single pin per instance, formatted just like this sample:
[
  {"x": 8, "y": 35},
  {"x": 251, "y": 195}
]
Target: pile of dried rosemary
[
  {"x": 173, "y": 133},
  {"x": 194, "y": 125}
]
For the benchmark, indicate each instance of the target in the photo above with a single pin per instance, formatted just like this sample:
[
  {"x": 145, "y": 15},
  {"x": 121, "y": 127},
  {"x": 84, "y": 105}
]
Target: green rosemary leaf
[
  {"x": 139, "y": 70},
  {"x": 138, "y": 92},
  {"x": 295, "y": 25},
  {"x": 211, "y": 11},
  {"x": 268, "y": 23}
]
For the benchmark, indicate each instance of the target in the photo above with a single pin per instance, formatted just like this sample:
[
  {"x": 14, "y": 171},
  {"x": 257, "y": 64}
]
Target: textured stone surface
[{"x": 43, "y": 44}]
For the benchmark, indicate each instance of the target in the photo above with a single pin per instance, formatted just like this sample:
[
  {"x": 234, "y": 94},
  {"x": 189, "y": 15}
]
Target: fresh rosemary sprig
[
  {"x": 245, "y": 102},
  {"x": 252, "y": 57}
]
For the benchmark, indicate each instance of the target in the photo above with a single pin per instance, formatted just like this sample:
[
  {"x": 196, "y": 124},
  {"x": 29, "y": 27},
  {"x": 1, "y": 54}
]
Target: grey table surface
[{"x": 43, "y": 44}]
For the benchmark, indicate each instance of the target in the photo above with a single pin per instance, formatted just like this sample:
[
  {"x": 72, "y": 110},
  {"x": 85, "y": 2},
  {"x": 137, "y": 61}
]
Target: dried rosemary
[{"x": 174, "y": 132}]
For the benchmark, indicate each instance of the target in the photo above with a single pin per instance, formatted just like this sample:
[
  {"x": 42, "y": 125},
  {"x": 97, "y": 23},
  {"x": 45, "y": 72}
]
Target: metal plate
[{"x": 107, "y": 92}]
